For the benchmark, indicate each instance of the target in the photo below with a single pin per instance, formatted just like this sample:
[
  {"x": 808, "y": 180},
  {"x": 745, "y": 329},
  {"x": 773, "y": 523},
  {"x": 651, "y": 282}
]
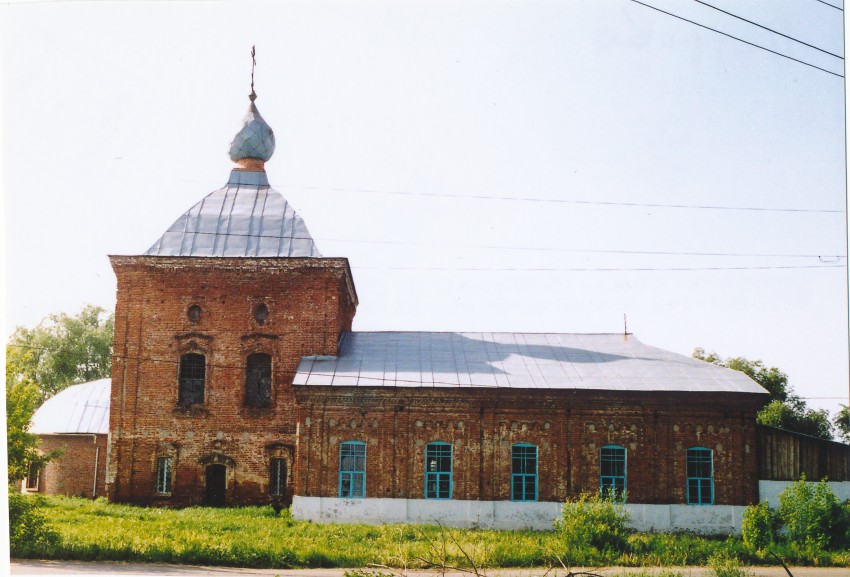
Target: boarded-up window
[
  {"x": 258, "y": 380},
  {"x": 192, "y": 379}
]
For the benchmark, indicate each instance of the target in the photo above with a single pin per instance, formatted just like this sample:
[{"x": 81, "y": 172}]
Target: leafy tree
[
  {"x": 62, "y": 350},
  {"x": 842, "y": 423},
  {"x": 786, "y": 409}
]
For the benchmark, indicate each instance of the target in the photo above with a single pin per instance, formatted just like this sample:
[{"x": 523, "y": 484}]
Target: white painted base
[
  {"x": 716, "y": 519},
  {"x": 770, "y": 490}
]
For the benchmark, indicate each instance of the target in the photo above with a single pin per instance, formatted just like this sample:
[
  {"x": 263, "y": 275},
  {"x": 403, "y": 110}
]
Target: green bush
[
  {"x": 759, "y": 526},
  {"x": 723, "y": 565},
  {"x": 29, "y": 533},
  {"x": 813, "y": 517},
  {"x": 593, "y": 525}
]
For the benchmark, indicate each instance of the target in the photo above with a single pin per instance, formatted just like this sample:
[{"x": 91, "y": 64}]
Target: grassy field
[{"x": 256, "y": 537}]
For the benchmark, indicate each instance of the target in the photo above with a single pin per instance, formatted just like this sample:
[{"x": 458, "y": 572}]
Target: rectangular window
[
  {"x": 438, "y": 471},
  {"x": 191, "y": 380},
  {"x": 258, "y": 380},
  {"x": 700, "y": 482},
  {"x": 163, "y": 475},
  {"x": 523, "y": 473},
  {"x": 278, "y": 478},
  {"x": 612, "y": 472},
  {"x": 352, "y": 470}
]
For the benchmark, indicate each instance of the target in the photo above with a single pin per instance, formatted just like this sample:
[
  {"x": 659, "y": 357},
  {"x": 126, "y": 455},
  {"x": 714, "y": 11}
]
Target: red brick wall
[
  {"x": 568, "y": 427},
  {"x": 310, "y": 302},
  {"x": 73, "y": 473}
]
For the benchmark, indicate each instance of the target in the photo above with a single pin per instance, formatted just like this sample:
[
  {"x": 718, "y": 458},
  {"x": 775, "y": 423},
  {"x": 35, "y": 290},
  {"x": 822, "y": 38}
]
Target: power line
[
  {"x": 768, "y": 29},
  {"x": 564, "y": 201},
  {"x": 522, "y": 248},
  {"x": 596, "y": 269},
  {"x": 738, "y": 39},
  {"x": 830, "y": 5}
]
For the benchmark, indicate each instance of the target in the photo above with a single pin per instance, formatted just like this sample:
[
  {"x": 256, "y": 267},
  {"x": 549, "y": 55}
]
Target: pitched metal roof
[
  {"x": 78, "y": 409},
  {"x": 246, "y": 218},
  {"x": 515, "y": 360}
]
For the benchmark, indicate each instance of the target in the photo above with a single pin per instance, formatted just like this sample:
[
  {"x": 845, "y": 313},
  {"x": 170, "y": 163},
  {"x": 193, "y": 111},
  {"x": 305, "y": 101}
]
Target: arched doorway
[{"x": 216, "y": 485}]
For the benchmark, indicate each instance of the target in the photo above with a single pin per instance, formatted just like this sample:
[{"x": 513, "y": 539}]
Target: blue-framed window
[
  {"x": 700, "y": 476},
  {"x": 352, "y": 470},
  {"x": 524, "y": 472},
  {"x": 438, "y": 471},
  {"x": 612, "y": 472}
]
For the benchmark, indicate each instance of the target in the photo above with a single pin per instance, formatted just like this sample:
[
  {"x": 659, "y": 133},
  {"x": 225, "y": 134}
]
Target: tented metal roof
[
  {"x": 78, "y": 409},
  {"x": 246, "y": 218},
  {"x": 614, "y": 362}
]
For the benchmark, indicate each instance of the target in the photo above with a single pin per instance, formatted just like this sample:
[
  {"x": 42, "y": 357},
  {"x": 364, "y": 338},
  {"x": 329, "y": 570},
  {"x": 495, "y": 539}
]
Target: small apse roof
[
  {"x": 613, "y": 362},
  {"x": 78, "y": 409}
]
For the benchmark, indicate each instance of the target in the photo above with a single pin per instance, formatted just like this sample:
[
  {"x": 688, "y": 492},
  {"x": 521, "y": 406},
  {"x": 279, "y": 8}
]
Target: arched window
[
  {"x": 192, "y": 378},
  {"x": 352, "y": 470},
  {"x": 524, "y": 472},
  {"x": 164, "y": 467},
  {"x": 278, "y": 477},
  {"x": 258, "y": 380},
  {"x": 612, "y": 472},
  {"x": 700, "y": 472},
  {"x": 438, "y": 471}
]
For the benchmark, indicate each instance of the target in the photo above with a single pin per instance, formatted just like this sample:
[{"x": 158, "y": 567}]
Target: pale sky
[{"x": 485, "y": 166}]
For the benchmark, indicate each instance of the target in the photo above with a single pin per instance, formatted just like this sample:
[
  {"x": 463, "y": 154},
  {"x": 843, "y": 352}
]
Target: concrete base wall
[
  {"x": 770, "y": 490},
  {"x": 540, "y": 516}
]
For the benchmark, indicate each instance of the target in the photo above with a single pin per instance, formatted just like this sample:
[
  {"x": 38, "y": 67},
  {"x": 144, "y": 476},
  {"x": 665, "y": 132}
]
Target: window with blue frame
[
  {"x": 523, "y": 472},
  {"x": 352, "y": 470},
  {"x": 438, "y": 471},
  {"x": 700, "y": 476},
  {"x": 612, "y": 472}
]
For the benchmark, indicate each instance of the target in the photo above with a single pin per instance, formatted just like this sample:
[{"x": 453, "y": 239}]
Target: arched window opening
[
  {"x": 258, "y": 380},
  {"x": 192, "y": 378},
  {"x": 278, "y": 478},
  {"x": 352, "y": 470},
  {"x": 612, "y": 472},
  {"x": 524, "y": 472},
  {"x": 164, "y": 466},
  {"x": 438, "y": 471},
  {"x": 700, "y": 471}
]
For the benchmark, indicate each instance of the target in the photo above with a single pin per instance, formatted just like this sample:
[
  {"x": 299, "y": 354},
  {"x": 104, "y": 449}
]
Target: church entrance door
[{"x": 216, "y": 481}]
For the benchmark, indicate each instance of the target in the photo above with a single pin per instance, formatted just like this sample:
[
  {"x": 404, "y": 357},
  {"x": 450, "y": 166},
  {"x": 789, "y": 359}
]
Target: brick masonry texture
[
  {"x": 73, "y": 472},
  {"x": 568, "y": 427},
  {"x": 310, "y": 302}
]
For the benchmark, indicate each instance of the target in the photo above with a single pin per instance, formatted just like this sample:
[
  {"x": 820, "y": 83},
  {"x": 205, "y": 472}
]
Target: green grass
[{"x": 256, "y": 537}]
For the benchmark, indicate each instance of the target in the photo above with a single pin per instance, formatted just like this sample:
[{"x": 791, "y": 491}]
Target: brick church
[{"x": 237, "y": 379}]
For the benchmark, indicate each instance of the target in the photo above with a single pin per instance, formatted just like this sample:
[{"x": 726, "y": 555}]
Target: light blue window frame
[
  {"x": 352, "y": 470},
  {"x": 612, "y": 472},
  {"x": 700, "y": 476},
  {"x": 523, "y": 472},
  {"x": 438, "y": 470}
]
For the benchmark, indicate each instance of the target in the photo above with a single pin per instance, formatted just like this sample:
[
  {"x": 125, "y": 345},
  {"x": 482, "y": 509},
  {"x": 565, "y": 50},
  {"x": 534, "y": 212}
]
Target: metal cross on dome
[{"x": 253, "y": 64}]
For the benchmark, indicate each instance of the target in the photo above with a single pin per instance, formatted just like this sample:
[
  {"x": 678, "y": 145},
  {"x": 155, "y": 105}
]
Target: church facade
[{"x": 237, "y": 379}]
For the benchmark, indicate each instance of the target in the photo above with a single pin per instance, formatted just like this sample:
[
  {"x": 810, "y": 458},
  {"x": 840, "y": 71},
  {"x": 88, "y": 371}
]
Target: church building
[{"x": 237, "y": 379}]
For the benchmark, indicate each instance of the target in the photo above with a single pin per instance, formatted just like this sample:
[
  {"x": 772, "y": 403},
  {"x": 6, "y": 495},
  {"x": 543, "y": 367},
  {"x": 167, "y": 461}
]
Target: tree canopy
[
  {"x": 786, "y": 410},
  {"x": 62, "y": 350},
  {"x": 842, "y": 423}
]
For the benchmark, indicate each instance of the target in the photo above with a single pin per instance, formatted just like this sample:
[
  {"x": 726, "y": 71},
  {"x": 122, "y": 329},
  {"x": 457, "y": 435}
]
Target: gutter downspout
[{"x": 96, "y": 457}]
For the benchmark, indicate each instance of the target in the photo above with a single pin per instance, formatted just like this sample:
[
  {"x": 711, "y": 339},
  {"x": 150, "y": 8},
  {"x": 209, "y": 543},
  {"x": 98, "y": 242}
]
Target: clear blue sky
[{"x": 499, "y": 166}]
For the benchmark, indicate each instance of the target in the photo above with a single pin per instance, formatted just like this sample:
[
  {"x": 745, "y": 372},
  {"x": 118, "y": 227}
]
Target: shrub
[
  {"x": 29, "y": 533},
  {"x": 813, "y": 517},
  {"x": 593, "y": 524},
  {"x": 725, "y": 566},
  {"x": 759, "y": 526}
]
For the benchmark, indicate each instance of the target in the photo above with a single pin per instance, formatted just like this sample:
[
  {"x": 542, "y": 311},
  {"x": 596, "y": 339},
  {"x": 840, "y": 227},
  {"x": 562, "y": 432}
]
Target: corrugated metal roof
[
  {"x": 78, "y": 409},
  {"x": 515, "y": 360},
  {"x": 246, "y": 218}
]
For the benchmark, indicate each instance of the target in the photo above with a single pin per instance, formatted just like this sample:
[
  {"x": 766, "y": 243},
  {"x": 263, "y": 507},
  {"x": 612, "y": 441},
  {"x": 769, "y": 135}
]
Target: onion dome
[{"x": 255, "y": 141}]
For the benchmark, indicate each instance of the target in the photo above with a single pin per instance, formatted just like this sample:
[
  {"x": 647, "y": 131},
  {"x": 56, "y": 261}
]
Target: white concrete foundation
[
  {"x": 770, "y": 490},
  {"x": 705, "y": 519}
]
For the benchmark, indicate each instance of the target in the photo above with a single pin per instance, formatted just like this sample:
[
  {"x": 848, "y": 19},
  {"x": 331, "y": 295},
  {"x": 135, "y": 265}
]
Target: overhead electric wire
[
  {"x": 564, "y": 201},
  {"x": 597, "y": 269},
  {"x": 737, "y": 38},
  {"x": 830, "y": 5},
  {"x": 768, "y": 29},
  {"x": 525, "y": 248}
]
